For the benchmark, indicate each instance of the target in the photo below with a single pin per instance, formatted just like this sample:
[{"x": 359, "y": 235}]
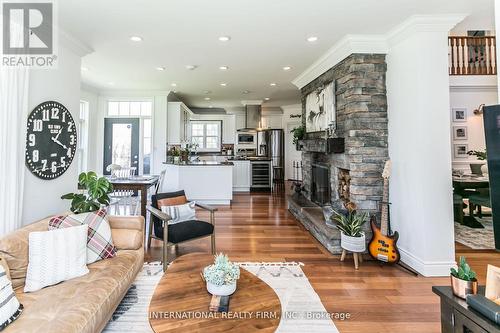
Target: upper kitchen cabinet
[
  {"x": 240, "y": 120},
  {"x": 271, "y": 121},
  {"x": 178, "y": 116},
  {"x": 229, "y": 129}
]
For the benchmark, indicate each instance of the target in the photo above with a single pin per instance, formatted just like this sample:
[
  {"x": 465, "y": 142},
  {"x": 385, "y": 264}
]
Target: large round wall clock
[{"x": 50, "y": 140}]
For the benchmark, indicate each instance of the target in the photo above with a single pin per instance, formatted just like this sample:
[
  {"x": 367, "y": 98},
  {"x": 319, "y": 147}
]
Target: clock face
[{"x": 50, "y": 140}]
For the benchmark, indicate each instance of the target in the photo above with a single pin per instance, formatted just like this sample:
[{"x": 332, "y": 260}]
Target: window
[
  {"x": 83, "y": 130},
  {"x": 142, "y": 109},
  {"x": 207, "y": 134}
]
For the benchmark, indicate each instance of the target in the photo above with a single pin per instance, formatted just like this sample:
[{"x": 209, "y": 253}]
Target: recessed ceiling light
[
  {"x": 223, "y": 68},
  {"x": 136, "y": 38},
  {"x": 210, "y": 106},
  {"x": 224, "y": 38},
  {"x": 111, "y": 83},
  {"x": 272, "y": 84},
  {"x": 174, "y": 84},
  {"x": 245, "y": 92},
  {"x": 160, "y": 68},
  {"x": 207, "y": 98},
  {"x": 191, "y": 67},
  {"x": 223, "y": 84},
  {"x": 312, "y": 39},
  {"x": 287, "y": 68},
  {"x": 267, "y": 98},
  {"x": 85, "y": 69}
]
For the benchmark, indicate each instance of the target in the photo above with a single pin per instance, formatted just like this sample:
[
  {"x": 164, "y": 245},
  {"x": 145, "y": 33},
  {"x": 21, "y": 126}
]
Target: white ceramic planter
[
  {"x": 224, "y": 290},
  {"x": 353, "y": 244}
]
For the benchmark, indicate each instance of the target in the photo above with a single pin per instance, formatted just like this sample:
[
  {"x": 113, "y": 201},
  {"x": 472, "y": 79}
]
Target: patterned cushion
[
  {"x": 180, "y": 213},
  {"x": 99, "y": 242},
  {"x": 10, "y": 309}
]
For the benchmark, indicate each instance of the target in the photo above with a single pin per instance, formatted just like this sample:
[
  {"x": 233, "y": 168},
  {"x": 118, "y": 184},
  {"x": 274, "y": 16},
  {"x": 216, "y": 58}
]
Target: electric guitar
[{"x": 383, "y": 246}]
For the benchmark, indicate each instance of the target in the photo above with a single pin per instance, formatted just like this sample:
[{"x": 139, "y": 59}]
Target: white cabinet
[
  {"x": 241, "y": 176},
  {"x": 240, "y": 120},
  {"x": 271, "y": 121},
  {"x": 228, "y": 129},
  {"x": 178, "y": 116}
]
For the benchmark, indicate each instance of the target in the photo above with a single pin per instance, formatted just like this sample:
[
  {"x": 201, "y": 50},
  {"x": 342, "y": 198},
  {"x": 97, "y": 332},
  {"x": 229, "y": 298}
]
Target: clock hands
[{"x": 55, "y": 139}]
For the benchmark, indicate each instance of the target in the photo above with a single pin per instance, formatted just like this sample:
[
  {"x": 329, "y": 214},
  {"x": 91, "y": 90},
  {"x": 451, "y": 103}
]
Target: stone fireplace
[{"x": 354, "y": 174}]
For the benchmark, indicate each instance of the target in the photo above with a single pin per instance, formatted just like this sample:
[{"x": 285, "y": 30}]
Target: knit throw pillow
[
  {"x": 10, "y": 309},
  {"x": 99, "y": 242}
]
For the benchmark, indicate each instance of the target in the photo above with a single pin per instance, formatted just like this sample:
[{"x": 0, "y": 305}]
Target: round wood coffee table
[{"x": 180, "y": 302}]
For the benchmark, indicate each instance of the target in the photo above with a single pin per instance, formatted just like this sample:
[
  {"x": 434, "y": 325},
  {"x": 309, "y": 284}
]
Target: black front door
[{"x": 121, "y": 142}]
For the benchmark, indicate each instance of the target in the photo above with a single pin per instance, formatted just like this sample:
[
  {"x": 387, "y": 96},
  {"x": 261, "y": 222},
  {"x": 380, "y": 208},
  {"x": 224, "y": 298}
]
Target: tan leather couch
[{"x": 84, "y": 304}]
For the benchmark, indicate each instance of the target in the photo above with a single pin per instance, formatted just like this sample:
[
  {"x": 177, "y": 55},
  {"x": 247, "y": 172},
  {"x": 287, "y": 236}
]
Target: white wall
[
  {"x": 469, "y": 93},
  {"x": 91, "y": 96},
  {"x": 42, "y": 197},
  {"x": 419, "y": 146},
  {"x": 291, "y": 153}
]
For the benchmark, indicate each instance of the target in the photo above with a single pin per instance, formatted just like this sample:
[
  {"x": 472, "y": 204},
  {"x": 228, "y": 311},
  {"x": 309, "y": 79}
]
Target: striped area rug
[{"x": 302, "y": 310}]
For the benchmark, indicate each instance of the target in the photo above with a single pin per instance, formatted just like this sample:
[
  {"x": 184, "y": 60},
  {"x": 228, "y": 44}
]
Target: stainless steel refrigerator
[{"x": 271, "y": 144}]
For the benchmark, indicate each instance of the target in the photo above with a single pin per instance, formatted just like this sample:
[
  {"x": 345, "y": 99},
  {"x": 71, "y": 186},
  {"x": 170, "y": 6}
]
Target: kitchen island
[{"x": 206, "y": 182}]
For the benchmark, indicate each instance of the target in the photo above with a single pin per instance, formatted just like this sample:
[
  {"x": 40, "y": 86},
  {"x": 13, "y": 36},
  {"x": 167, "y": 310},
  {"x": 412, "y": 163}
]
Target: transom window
[
  {"x": 207, "y": 134},
  {"x": 83, "y": 130}
]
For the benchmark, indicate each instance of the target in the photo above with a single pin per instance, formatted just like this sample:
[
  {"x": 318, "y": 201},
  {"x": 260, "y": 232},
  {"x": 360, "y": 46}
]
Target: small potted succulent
[
  {"x": 477, "y": 167},
  {"x": 463, "y": 279},
  {"x": 221, "y": 276},
  {"x": 350, "y": 224}
]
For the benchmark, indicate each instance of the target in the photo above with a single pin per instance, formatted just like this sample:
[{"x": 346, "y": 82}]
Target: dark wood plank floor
[{"x": 382, "y": 299}]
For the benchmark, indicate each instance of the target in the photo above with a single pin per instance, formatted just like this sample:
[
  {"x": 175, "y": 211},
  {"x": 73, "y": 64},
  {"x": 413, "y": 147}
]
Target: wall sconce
[{"x": 479, "y": 110}]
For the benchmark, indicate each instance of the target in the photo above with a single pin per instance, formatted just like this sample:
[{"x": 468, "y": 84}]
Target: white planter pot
[
  {"x": 353, "y": 244},
  {"x": 224, "y": 290}
]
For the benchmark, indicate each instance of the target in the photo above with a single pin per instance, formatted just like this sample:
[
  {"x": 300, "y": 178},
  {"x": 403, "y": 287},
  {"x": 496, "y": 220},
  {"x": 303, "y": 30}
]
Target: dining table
[
  {"x": 463, "y": 185},
  {"x": 135, "y": 183}
]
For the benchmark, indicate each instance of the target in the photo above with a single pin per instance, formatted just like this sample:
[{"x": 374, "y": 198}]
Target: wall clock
[{"x": 50, "y": 140}]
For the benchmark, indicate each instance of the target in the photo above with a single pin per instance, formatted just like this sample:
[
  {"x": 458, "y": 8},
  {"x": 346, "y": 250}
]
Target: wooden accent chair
[{"x": 180, "y": 232}]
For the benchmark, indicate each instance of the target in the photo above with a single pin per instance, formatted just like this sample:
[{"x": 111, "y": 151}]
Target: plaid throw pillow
[{"x": 99, "y": 241}]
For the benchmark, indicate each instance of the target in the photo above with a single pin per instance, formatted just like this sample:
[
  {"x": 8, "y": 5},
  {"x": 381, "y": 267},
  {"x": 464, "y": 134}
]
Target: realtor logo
[{"x": 28, "y": 33}]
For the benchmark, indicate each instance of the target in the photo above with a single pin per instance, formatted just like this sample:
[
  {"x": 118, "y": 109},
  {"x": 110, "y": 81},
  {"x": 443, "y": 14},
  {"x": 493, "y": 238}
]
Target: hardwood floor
[{"x": 258, "y": 227}]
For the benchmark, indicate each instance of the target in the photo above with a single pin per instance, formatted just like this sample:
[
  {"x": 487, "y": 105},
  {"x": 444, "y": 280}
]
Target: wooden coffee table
[{"x": 180, "y": 302}]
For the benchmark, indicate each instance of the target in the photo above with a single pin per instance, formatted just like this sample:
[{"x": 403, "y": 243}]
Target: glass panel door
[{"x": 121, "y": 142}]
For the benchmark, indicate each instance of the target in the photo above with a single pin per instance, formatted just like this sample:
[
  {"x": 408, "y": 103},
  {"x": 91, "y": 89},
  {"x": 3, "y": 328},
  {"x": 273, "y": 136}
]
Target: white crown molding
[
  {"x": 426, "y": 268},
  {"x": 252, "y": 102},
  {"x": 375, "y": 44},
  {"x": 75, "y": 45}
]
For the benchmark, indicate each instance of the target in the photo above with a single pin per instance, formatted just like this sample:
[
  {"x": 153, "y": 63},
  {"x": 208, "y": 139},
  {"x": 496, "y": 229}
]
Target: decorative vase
[
  {"x": 224, "y": 290},
  {"x": 176, "y": 159},
  {"x": 353, "y": 244},
  {"x": 462, "y": 288},
  {"x": 484, "y": 169},
  {"x": 475, "y": 168}
]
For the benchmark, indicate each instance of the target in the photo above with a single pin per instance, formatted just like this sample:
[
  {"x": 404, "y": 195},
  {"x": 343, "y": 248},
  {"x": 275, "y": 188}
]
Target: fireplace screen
[{"x": 320, "y": 184}]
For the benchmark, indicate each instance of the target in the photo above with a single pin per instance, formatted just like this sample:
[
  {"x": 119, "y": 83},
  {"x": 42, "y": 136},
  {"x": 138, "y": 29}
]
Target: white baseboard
[{"x": 426, "y": 268}]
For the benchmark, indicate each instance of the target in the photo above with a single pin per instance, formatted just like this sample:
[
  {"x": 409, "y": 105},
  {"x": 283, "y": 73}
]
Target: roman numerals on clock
[{"x": 51, "y": 140}]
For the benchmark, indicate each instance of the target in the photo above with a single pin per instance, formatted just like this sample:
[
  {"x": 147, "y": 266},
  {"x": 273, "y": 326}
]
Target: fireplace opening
[{"x": 320, "y": 184}]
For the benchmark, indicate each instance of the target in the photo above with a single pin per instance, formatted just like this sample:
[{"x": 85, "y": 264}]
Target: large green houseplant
[{"x": 95, "y": 193}]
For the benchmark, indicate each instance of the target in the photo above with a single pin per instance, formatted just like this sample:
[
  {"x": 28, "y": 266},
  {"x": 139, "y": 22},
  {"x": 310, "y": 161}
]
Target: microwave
[{"x": 246, "y": 138}]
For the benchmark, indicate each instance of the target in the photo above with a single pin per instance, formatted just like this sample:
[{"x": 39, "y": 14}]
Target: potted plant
[
  {"x": 94, "y": 194},
  {"x": 476, "y": 168},
  {"x": 350, "y": 224},
  {"x": 221, "y": 276},
  {"x": 298, "y": 134},
  {"x": 175, "y": 153},
  {"x": 463, "y": 280}
]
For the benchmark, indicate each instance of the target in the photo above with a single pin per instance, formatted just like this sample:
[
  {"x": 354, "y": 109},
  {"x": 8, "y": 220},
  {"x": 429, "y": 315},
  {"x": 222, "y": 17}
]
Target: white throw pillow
[
  {"x": 180, "y": 213},
  {"x": 55, "y": 256},
  {"x": 10, "y": 309}
]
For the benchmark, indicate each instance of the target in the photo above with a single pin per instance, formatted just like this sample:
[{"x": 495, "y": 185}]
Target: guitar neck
[{"x": 384, "y": 218}]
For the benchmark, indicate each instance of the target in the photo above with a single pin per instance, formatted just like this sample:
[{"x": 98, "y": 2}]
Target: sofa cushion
[
  {"x": 188, "y": 230},
  {"x": 10, "y": 309},
  {"x": 180, "y": 213},
  {"x": 99, "y": 242},
  {"x": 14, "y": 249},
  {"x": 84, "y": 304},
  {"x": 55, "y": 256}
]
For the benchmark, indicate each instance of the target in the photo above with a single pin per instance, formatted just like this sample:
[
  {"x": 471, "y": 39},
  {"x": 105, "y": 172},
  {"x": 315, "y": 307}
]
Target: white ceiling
[{"x": 265, "y": 36}]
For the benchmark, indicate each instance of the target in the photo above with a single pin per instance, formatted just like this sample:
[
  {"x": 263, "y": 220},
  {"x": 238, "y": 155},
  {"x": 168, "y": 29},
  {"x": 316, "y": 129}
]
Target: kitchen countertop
[
  {"x": 200, "y": 163},
  {"x": 251, "y": 158}
]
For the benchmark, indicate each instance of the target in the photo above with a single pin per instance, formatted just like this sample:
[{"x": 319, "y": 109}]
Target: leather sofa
[{"x": 84, "y": 304}]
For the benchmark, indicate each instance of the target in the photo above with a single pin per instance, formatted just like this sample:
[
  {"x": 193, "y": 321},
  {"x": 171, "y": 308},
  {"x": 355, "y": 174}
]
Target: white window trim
[
  {"x": 83, "y": 144},
  {"x": 219, "y": 141}
]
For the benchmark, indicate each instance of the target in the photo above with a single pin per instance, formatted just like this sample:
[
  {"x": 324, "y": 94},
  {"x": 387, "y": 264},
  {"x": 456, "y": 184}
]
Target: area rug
[
  {"x": 476, "y": 238},
  {"x": 302, "y": 310}
]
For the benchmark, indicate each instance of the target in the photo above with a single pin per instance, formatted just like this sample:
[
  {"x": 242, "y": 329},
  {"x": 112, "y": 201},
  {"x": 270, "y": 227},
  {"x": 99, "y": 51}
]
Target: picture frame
[
  {"x": 492, "y": 291},
  {"x": 460, "y": 133},
  {"x": 320, "y": 109},
  {"x": 459, "y": 115},
  {"x": 460, "y": 150}
]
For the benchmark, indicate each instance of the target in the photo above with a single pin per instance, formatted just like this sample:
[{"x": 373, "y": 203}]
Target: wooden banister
[{"x": 472, "y": 55}]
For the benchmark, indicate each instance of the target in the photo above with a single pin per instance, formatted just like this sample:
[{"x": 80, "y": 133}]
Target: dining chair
[
  {"x": 124, "y": 201},
  {"x": 173, "y": 234}
]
